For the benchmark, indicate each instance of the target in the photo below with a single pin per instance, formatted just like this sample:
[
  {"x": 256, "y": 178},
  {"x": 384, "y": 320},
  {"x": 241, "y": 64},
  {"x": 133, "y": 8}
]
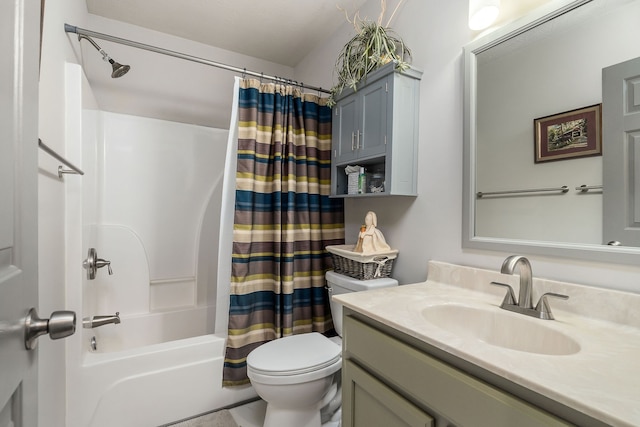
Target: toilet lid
[{"x": 294, "y": 355}]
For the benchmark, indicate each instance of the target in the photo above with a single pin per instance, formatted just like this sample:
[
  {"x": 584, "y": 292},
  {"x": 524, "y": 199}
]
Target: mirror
[{"x": 540, "y": 67}]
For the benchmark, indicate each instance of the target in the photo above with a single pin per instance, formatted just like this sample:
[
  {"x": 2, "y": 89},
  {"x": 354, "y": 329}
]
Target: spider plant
[{"x": 373, "y": 46}]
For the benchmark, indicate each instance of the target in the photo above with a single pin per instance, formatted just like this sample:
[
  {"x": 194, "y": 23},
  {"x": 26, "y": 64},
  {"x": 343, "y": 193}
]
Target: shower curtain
[{"x": 283, "y": 220}]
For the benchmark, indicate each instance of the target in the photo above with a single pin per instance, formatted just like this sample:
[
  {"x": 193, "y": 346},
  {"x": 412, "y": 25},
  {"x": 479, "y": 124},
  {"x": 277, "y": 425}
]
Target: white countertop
[{"x": 601, "y": 380}]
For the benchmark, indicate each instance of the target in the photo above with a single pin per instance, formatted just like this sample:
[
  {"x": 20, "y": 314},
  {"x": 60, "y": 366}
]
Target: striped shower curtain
[{"x": 283, "y": 220}]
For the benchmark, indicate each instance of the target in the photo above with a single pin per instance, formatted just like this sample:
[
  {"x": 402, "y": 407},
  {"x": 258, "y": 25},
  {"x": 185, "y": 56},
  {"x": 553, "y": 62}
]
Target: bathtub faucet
[{"x": 95, "y": 321}]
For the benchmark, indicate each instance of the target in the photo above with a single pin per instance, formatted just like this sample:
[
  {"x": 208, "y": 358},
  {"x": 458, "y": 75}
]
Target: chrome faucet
[
  {"x": 95, "y": 321},
  {"x": 508, "y": 267},
  {"x": 524, "y": 303}
]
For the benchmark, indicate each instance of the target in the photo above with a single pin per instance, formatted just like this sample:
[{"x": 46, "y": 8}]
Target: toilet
[{"x": 298, "y": 375}]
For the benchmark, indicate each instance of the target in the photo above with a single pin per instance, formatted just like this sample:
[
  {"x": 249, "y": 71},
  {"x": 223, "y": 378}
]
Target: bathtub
[
  {"x": 151, "y": 369},
  {"x": 147, "y": 329},
  {"x": 152, "y": 385}
]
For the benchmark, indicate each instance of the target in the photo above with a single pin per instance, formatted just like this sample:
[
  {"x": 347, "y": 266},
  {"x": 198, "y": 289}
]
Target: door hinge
[
  {"x": 385, "y": 140},
  {"x": 386, "y": 86},
  {"x": 335, "y": 154}
]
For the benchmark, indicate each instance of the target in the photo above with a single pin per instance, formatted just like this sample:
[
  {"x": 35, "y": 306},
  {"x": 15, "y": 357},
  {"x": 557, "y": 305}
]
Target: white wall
[{"x": 429, "y": 226}]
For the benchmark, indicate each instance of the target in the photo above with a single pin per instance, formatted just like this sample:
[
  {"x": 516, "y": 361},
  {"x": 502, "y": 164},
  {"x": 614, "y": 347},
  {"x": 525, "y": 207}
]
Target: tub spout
[{"x": 95, "y": 321}]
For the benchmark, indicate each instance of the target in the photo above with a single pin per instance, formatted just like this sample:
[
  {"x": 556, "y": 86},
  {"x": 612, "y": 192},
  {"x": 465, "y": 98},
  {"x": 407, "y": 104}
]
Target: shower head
[{"x": 119, "y": 70}]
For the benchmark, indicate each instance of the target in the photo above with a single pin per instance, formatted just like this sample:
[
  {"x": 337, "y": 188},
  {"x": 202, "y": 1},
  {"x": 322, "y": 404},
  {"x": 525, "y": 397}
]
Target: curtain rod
[{"x": 81, "y": 31}]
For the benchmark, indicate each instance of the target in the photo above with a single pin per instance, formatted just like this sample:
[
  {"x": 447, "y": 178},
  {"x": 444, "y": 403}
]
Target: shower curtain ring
[{"x": 244, "y": 73}]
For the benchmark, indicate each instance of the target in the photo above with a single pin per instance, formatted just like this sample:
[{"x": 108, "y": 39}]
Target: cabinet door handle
[
  {"x": 358, "y": 141},
  {"x": 353, "y": 137}
]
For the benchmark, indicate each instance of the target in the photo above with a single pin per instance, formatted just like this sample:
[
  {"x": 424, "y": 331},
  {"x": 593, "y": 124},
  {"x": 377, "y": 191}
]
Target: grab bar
[
  {"x": 74, "y": 170},
  {"x": 481, "y": 194},
  {"x": 585, "y": 188}
]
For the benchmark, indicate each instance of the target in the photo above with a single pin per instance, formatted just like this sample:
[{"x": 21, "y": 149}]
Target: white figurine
[{"x": 370, "y": 239}]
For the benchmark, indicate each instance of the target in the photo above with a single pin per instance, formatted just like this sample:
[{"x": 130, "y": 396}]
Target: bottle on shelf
[{"x": 362, "y": 181}]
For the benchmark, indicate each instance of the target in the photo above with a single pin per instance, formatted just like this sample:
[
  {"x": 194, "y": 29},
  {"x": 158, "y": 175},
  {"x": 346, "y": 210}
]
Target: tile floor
[{"x": 248, "y": 415}]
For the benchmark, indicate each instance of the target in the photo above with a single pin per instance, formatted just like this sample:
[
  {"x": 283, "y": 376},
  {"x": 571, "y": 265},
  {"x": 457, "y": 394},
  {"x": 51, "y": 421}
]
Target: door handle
[{"x": 61, "y": 324}]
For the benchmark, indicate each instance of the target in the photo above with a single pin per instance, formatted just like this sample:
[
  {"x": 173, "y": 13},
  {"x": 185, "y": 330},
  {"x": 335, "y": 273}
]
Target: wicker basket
[{"x": 361, "y": 267}]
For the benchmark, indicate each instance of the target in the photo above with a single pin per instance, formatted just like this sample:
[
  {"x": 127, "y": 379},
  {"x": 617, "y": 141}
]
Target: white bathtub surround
[
  {"x": 150, "y": 186},
  {"x": 600, "y": 380},
  {"x": 149, "y": 202}
]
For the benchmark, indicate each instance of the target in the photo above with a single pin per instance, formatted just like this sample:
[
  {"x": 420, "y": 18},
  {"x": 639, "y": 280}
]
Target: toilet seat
[{"x": 294, "y": 359}]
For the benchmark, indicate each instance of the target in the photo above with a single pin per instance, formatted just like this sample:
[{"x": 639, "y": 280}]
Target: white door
[
  {"x": 621, "y": 150},
  {"x": 19, "y": 49}
]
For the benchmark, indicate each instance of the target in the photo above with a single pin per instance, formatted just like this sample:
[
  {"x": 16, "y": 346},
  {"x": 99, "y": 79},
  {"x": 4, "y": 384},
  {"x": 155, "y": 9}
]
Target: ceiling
[{"x": 242, "y": 26}]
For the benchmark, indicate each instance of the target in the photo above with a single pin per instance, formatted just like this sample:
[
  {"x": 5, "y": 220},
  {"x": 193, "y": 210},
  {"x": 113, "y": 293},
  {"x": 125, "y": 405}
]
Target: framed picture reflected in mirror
[{"x": 569, "y": 135}]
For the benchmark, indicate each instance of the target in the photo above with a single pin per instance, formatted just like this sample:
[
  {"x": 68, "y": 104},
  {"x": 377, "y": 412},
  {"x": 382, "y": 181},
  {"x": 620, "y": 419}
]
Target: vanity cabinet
[
  {"x": 376, "y": 127},
  {"x": 388, "y": 381}
]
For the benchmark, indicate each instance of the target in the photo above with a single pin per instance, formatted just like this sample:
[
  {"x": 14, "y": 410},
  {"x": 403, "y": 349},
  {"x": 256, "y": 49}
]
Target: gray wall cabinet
[{"x": 376, "y": 127}]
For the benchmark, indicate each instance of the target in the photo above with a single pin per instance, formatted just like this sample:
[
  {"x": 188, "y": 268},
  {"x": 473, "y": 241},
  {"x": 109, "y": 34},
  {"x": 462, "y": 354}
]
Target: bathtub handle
[{"x": 93, "y": 263}]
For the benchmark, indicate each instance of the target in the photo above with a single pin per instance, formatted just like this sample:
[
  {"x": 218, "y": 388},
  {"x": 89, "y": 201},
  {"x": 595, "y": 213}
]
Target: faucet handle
[
  {"x": 102, "y": 262},
  {"x": 543, "y": 307},
  {"x": 510, "y": 297},
  {"x": 93, "y": 263}
]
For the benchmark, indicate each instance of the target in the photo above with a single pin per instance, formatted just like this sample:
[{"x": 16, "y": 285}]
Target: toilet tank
[{"x": 341, "y": 284}]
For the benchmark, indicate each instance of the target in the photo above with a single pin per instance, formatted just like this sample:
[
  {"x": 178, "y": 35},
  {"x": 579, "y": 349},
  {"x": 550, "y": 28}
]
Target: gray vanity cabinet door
[{"x": 370, "y": 403}]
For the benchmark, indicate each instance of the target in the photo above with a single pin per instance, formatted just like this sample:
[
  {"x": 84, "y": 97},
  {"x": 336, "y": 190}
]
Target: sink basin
[{"x": 501, "y": 328}]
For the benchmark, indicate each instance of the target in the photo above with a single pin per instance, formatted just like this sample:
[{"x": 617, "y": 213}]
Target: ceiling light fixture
[{"x": 483, "y": 13}]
